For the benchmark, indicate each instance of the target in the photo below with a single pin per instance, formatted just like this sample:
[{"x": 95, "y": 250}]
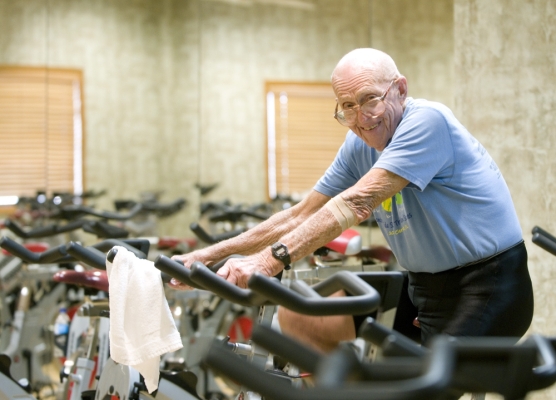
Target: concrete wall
[{"x": 419, "y": 35}]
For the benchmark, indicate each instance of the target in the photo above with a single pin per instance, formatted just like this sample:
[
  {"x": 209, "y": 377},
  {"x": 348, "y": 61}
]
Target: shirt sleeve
[{"x": 421, "y": 149}]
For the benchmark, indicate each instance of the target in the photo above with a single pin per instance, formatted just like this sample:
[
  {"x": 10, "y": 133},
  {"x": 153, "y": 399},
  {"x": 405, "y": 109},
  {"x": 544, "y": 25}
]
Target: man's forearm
[
  {"x": 256, "y": 238},
  {"x": 269, "y": 231},
  {"x": 318, "y": 230}
]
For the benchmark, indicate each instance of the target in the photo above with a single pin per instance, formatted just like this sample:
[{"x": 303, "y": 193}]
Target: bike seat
[
  {"x": 348, "y": 243},
  {"x": 97, "y": 279}
]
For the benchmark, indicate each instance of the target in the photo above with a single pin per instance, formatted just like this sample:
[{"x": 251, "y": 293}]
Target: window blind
[
  {"x": 40, "y": 131},
  {"x": 302, "y": 135}
]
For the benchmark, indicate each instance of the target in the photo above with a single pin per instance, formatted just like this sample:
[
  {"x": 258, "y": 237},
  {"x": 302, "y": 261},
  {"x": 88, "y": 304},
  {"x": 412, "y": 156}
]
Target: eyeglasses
[{"x": 372, "y": 108}]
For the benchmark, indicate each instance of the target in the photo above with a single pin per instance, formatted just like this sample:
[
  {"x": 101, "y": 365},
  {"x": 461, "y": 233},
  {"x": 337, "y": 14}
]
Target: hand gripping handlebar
[
  {"x": 201, "y": 277},
  {"x": 265, "y": 290}
]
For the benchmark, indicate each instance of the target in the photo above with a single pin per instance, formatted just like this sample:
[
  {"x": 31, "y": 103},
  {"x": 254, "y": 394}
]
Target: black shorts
[{"x": 490, "y": 298}]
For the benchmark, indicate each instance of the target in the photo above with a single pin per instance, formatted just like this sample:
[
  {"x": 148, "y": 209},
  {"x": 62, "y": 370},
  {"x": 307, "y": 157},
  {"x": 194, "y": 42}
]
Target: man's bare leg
[{"x": 320, "y": 333}]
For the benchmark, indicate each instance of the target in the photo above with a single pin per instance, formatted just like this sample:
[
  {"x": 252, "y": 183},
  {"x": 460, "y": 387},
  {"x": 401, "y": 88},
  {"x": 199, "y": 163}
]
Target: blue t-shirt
[{"x": 457, "y": 208}]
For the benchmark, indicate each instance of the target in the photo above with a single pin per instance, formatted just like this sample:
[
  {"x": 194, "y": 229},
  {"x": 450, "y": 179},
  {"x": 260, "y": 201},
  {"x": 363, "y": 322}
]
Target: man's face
[{"x": 354, "y": 88}]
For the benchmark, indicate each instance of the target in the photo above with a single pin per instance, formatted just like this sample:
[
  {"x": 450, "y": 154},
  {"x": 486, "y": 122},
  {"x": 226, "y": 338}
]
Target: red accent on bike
[
  {"x": 96, "y": 279},
  {"x": 35, "y": 247},
  {"x": 171, "y": 242},
  {"x": 341, "y": 243},
  {"x": 240, "y": 330}
]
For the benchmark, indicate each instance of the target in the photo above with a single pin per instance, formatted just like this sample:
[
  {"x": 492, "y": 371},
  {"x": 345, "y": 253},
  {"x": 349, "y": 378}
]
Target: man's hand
[
  {"x": 187, "y": 260},
  {"x": 238, "y": 270}
]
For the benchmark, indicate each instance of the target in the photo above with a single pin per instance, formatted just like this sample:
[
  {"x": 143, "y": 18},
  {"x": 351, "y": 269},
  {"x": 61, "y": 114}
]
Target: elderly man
[{"x": 437, "y": 195}]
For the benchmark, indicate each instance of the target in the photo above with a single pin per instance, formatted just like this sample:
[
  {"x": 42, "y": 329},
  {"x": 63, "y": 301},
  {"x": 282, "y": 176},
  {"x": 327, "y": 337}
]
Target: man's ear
[{"x": 402, "y": 87}]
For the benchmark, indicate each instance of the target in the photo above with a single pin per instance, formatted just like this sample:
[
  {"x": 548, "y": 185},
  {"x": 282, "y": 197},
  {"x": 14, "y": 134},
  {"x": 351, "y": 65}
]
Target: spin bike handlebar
[
  {"x": 161, "y": 209},
  {"x": 92, "y": 255},
  {"x": 447, "y": 365},
  {"x": 234, "y": 215},
  {"x": 71, "y": 212},
  {"x": 201, "y": 277},
  {"x": 434, "y": 378},
  {"x": 212, "y": 239},
  {"x": 543, "y": 375},
  {"x": 544, "y": 240},
  {"x": 263, "y": 290},
  {"x": 310, "y": 360},
  {"x": 46, "y": 257},
  {"x": 43, "y": 231},
  {"x": 312, "y": 300}
]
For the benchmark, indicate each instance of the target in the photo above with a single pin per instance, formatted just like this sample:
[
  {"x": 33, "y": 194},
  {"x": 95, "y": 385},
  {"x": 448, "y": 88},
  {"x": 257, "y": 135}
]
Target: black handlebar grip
[
  {"x": 55, "y": 254},
  {"x": 286, "y": 347},
  {"x": 365, "y": 299},
  {"x": 72, "y": 211},
  {"x": 204, "y": 236},
  {"x": 35, "y": 233},
  {"x": 207, "y": 279},
  {"x": 543, "y": 375},
  {"x": 89, "y": 255},
  {"x": 545, "y": 242},
  {"x": 434, "y": 380},
  {"x": 538, "y": 229},
  {"x": 201, "y": 233},
  {"x": 175, "y": 270},
  {"x": 396, "y": 344}
]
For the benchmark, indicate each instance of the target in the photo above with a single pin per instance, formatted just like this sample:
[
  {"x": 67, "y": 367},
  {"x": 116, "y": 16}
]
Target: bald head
[{"x": 379, "y": 64}]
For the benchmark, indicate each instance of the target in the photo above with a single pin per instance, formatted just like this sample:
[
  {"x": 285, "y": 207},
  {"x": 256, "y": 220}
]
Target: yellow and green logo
[{"x": 387, "y": 204}]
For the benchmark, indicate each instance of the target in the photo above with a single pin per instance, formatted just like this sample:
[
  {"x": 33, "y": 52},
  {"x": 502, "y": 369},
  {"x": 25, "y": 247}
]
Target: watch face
[{"x": 279, "y": 250}]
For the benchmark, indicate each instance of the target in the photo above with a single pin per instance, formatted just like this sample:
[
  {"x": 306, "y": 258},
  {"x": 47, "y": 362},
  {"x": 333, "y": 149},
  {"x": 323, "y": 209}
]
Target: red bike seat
[
  {"x": 97, "y": 279},
  {"x": 348, "y": 243}
]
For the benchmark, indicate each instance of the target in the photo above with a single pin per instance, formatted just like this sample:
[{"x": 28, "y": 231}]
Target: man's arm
[
  {"x": 369, "y": 192},
  {"x": 260, "y": 236},
  {"x": 319, "y": 228}
]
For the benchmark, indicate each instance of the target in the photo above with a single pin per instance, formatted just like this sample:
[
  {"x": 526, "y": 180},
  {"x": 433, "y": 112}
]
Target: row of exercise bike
[
  {"x": 222, "y": 357},
  {"x": 30, "y": 297}
]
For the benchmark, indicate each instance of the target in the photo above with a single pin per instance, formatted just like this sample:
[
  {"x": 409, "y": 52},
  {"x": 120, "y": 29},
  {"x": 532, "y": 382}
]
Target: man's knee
[{"x": 321, "y": 333}]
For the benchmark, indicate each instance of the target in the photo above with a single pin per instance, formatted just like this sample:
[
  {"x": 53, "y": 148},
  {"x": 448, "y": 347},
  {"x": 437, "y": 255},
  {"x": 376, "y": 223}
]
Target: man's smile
[{"x": 370, "y": 128}]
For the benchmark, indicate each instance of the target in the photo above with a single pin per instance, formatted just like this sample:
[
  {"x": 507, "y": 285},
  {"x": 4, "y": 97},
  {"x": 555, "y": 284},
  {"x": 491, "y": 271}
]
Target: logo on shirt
[
  {"x": 387, "y": 204},
  {"x": 394, "y": 226}
]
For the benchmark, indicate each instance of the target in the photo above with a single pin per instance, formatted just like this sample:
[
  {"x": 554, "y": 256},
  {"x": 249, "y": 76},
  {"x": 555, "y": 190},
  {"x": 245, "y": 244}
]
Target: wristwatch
[{"x": 280, "y": 252}]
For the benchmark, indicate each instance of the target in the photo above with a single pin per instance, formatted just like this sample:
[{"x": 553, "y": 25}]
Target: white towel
[{"x": 141, "y": 324}]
